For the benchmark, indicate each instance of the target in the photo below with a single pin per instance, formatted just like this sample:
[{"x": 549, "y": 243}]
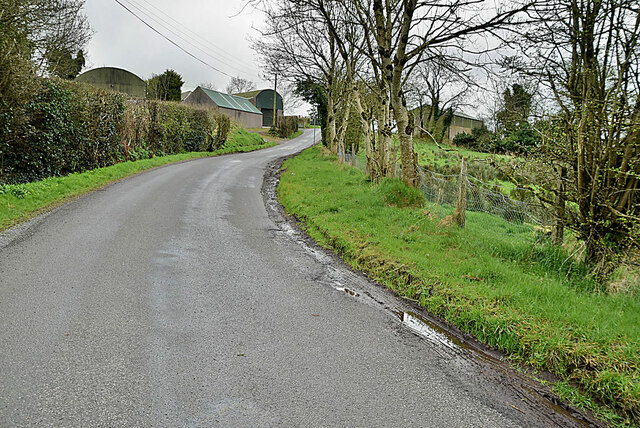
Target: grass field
[
  {"x": 446, "y": 160},
  {"x": 23, "y": 201},
  {"x": 503, "y": 288}
]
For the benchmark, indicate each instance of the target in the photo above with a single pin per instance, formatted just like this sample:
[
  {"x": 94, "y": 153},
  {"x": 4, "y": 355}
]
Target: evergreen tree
[
  {"x": 516, "y": 110},
  {"x": 166, "y": 86},
  {"x": 61, "y": 63}
]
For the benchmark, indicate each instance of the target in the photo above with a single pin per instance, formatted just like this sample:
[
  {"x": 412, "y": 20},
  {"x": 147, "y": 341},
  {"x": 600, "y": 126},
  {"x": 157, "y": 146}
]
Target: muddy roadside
[{"x": 514, "y": 389}]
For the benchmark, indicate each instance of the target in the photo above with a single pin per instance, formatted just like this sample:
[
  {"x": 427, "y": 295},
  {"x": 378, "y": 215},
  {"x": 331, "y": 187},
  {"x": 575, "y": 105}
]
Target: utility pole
[{"x": 275, "y": 98}]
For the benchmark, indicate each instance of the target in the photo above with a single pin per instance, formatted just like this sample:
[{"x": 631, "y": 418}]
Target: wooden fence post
[
  {"x": 557, "y": 233},
  {"x": 461, "y": 207}
]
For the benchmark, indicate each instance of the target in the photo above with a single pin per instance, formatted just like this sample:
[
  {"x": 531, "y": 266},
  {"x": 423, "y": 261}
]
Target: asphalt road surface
[{"x": 177, "y": 297}]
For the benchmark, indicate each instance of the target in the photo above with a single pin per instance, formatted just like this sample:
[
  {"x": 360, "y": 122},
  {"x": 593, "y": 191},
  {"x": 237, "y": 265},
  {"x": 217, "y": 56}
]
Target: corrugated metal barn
[
  {"x": 263, "y": 100},
  {"x": 237, "y": 108},
  {"x": 115, "y": 79},
  {"x": 463, "y": 123},
  {"x": 459, "y": 123}
]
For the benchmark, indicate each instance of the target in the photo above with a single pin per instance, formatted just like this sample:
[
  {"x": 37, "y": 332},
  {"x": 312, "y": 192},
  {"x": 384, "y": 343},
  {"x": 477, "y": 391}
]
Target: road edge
[
  {"x": 549, "y": 399},
  {"x": 11, "y": 233}
]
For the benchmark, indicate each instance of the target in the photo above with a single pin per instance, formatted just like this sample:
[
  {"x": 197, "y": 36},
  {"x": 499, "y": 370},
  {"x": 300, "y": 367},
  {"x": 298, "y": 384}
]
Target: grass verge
[
  {"x": 264, "y": 133},
  {"x": 19, "y": 202},
  {"x": 505, "y": 289}
]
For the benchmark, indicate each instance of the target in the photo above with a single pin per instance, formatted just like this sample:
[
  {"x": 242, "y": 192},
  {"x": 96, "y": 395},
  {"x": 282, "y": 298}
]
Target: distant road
[{"x": 172, "y": 298}]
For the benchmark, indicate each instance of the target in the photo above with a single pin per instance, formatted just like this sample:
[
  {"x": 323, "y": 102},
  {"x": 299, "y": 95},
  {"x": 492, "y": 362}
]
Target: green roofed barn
[
  {"x": 115, "y": 79},
  {"x": 263, "y": 100},
  {"x": 237, "y": 108}
]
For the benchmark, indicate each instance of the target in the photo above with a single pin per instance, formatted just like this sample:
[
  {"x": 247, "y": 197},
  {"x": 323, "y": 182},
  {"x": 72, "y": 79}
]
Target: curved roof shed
[
  {"x": 263, "y": 100},
  {"x": 115, "y": 79}
]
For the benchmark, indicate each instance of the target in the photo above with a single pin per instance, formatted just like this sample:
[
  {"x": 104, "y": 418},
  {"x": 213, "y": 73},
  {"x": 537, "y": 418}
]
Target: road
[{"x": 177, "y": 297}]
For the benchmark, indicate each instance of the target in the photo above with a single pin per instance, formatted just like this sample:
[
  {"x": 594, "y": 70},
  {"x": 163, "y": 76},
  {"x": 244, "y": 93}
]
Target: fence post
[
  {"x": 461, "y": 207},
  {"x": 557, "y": 234}
]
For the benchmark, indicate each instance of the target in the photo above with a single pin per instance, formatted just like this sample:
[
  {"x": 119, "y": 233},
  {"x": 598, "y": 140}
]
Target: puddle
[
  {"x": 430, "y": 331},
  {"x": 436, "y": 335},
  {"x": 424, "y": 329},
  {"x": 270, "y": 198},
  {"x": 553, "y": 403}
]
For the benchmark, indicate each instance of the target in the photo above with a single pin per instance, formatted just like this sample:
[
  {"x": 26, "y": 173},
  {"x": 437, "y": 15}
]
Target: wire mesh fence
[{"x": 488, "y": 205}]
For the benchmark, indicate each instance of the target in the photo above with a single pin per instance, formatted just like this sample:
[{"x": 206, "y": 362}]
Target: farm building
[
  {"x": 460, "y": 123},
  {"x": 263, "y": 100},
  {"x": 463, "y": 123},
  {"x": 115, "y": 79},
  {"x": 237, "y": 108}
]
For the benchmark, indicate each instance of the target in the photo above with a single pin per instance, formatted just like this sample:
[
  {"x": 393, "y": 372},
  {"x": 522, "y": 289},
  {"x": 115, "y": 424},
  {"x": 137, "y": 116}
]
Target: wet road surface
[{"x": 177, "y": 297}]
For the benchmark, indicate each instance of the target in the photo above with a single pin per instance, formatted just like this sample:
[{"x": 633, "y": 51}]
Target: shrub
[
  {"x": 481, "y": 139},
  {"x": 396, "y": 193},
  {"x": 522, "y": 140},
  {"x": 287, "y": 126},
  {"x": 103, "y": 114},
  {"x": 68, "y": 127},
  {"x": 200, "y": 122},
  {"x": 464, "y": 139},
  {"x": 222, "y": 130}
]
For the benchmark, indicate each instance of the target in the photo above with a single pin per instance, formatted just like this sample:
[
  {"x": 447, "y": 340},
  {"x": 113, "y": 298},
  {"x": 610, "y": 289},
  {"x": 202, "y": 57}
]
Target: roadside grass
[
  {"x": 264, "y": 133},
  {"x": 493, "y": 281},
  {"x": 19, "y": 202}
]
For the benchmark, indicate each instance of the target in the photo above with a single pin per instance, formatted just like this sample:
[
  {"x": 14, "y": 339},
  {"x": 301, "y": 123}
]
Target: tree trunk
[
  {"x": 331, "y": 125},
  {"x": 384, "y": 142},
  {"x": 405, "y": 134},
  {"x": 343, "y": 127},
  {"x": 368, "y": 144},
  {"x": 557, "y": 234},
  {"x": 367, "y": 134},
  {"x": 353, "y": 155},
  {"x": 394, "y": 162},
  {"x": 461, "y": 207}
]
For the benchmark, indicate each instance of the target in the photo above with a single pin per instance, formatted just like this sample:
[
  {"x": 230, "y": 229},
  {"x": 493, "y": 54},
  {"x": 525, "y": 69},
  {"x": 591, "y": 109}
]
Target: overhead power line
[
  {"x": 175, "y": 29},
  {"x": 205, "y": 42},
  {"x": 141, "y": 19}
]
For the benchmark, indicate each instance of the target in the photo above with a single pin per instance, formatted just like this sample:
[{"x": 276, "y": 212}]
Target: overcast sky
[{"x": 218, "y": 30}]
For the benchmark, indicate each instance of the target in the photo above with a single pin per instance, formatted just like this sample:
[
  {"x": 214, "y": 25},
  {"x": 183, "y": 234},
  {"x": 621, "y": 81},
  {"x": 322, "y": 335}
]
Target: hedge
[
  {"x": 68, "y": 127},
  {"x": 287, "y": 126}
]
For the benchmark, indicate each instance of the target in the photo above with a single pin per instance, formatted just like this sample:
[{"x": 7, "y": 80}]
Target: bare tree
[
  {"x": 378, "y": 44},
  {"x": 238, "y": 85},
  {"x": 56, "y": 26},
  {"x": 400, "y": 33},
  {"x": 297, "y": 45},
  {"x": 587, "y": 55},
  {"x": 291, "y": 100},
  {"x": 208, "y": 85},
  {"x": 436, "y": 88},
  {"x": 38, "y": 29}
]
